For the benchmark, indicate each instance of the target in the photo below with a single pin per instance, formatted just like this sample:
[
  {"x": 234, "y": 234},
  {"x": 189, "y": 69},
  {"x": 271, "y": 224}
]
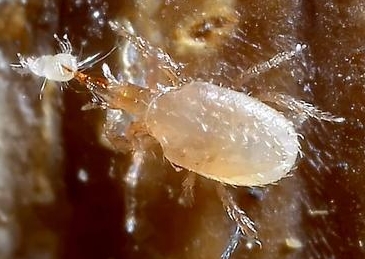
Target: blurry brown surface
[{"x": 319, "y": 210}]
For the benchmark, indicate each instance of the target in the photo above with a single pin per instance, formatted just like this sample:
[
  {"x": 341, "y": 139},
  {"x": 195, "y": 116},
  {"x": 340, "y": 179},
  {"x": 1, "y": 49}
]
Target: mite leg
[
  {"x": 300, "y": 109},
  {"x": 94, "y": 59},
  {"x": 274, "y": 62},
  {"x": 43, "y": 86},
  {"x": 126, "y": 135},
  {"x": 64, "y": 44},
  {"x": 164, "y": 61},
  {"x": 233, "y": 243},
  {"x": 187, "y": 195},
  {"x": 131, "y": 179},
  {"x": 244, "y": 223}
]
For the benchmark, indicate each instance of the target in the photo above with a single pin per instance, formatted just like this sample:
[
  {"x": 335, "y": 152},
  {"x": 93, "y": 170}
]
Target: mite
[
  {"x": 50, "y": 67},
  {"x": 218, "y": 133}
]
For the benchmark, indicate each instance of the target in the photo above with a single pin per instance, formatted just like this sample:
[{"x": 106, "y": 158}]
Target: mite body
[
  {"x": 52, "y": 67},
  {"x": 223, "y": 135},
  {"x": 216, "y": 132}
]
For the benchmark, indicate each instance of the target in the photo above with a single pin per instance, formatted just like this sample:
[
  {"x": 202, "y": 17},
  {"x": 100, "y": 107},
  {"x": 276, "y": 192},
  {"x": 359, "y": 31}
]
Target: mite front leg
[
  {"x": 244, "y": 223},
  {"x": 274, "y": 62},
  {"x": 164, "y": 61}
]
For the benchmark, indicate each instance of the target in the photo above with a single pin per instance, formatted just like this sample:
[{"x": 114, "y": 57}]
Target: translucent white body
[
  {"x": 52, "y": 67},
  {"x": 223, "y": 135},
  {"x": 61, "y": 67}
]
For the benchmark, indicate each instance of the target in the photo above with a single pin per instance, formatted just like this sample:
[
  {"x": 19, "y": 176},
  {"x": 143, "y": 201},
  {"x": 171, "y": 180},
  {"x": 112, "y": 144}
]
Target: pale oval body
[
  {"x": 51, "y": 66},
  {"x": 223, "y": 135}
]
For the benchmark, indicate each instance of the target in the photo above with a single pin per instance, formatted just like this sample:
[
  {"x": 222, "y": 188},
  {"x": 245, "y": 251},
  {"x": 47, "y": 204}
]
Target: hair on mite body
[{"x": 209, "y": 130}]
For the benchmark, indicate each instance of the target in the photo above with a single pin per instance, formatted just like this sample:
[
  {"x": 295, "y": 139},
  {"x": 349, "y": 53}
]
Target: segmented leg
[
  {"x": 233, "y": 243},
  {"x": 245, "y": 224},
  {"x": 273, "y": 62},
  {"x": 64, "y": 44},
  {"x": 187, "y": 195},
  {"x": 301, "y": 109},
  {"x": 94, "y": 59},
  {"x": 131, "y": 179}
]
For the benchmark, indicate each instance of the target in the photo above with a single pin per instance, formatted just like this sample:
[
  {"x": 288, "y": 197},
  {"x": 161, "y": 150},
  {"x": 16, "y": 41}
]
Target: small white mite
[{"x": 60, "y": 67}]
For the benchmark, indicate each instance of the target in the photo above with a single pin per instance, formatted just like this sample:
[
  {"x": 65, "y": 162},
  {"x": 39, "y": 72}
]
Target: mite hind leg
[
  {"x": 235, "y": 213},
  {"x": 299, "y": 110}
]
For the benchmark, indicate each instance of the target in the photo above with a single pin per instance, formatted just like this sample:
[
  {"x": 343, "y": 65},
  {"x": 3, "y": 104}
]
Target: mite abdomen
[{"x": 223, "y": 135}]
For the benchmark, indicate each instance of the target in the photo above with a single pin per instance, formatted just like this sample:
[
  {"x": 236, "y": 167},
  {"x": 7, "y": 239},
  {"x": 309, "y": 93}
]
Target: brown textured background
[{"x": 48, "y": 212}]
